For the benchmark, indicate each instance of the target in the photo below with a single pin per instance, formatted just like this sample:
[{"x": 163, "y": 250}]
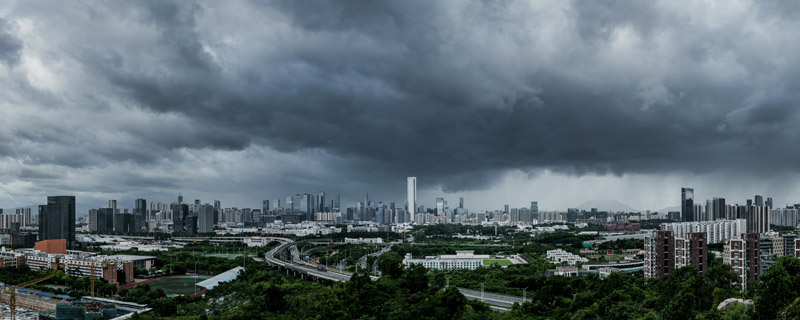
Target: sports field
[
  {"x": 177, "y": 285},
  {"x": 499, "y": 262}
]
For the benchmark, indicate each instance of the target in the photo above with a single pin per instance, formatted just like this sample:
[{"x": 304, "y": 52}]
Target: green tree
[{"x": 391, "y": 264}]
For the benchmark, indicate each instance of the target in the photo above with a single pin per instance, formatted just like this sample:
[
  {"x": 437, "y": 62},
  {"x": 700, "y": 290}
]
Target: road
[{"x": 498, "y": 302}]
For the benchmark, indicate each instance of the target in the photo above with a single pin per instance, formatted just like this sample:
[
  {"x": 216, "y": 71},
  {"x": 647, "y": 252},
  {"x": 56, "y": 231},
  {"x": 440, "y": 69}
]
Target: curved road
[{"x": 497, "y": 302}]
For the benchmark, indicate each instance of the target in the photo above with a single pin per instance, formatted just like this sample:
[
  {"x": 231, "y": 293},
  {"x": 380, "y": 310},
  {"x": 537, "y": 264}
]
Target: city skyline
[{"x": 496, "y": 102}]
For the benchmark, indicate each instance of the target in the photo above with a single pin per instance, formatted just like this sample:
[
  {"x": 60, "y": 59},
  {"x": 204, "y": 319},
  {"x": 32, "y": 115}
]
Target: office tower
[
  {"x": 265, "y": 206},
  {"x": 57, "y": 220},
  {"x": 205, "y": 219},
  {"x": 759, "y": 200},
  {"x": 687, "y": 204},
  {"x": 439, "y": 206},
  {"x": 461, "y": 202},
  {"x": 411, "y": 197},
  {"x": 321, "y": 202},
  {"x": 716, "y": 209},
  {"x": 768, "y": 203},
  {"x": 247, "y": 215},
  {"x": 180, "y": 198},
  {"x": 123, "y": 222},
  {"x": 276, "y": 205},
  {"x": 112, "y": 204},
  {"x": 93, "y": 220},
  {"x": 139, "y": 214},
  {"x": 105, "y": 220},
  {"x": 743, "y": 255},
  {"x": 337, "y": 203},
  {"x": 217, "y": 210},
  {"x": 179, "y": 213},
  {"x": 505, "y": 209},
  {"x": 749, "y": 202},
  {"x": 534, "y": 210}
]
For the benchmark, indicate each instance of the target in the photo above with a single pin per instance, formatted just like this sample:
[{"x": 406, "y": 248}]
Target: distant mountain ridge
[{"x": 609, "y": 205}]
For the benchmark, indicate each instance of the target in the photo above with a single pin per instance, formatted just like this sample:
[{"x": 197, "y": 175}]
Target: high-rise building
[
  {"x": 180, "y": 198},
  {"x": 321, "y": 202},
  {"x": 687, "y": 204},
  {"x": 461, "y": 202},
  {"x": 534, "y": 210},
  {"x": 768, "y": 203},
  {"x": 58, "y": 219},
  {"x": 718, "y": 231},
  {"x": 664, "y": 252},
  {"x": 505, "y": 209},
  {"x": 205, "y": 219},
  {"x": 336, "y": 206},
  {"x": 785, "y": 217},
  {"x": 265, "y": 206},
  {"x": 411, "y": 197},
  {"x": 139, "y": 215},
  {"x": 439, "y": 206},
  {"x": 659, "y": 248},
  {"x": 759, "y": 200},
  {"x": 692, "y": 251},
  {"x": 112, "y": 204},
  {"x": 717, "y": 210},
  {"x": 743, "y": 255},
  {"x": 180, "y": 211}
]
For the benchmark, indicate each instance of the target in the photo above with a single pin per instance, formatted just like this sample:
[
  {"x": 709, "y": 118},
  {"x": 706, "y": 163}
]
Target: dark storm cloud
[
  {"x": 10, "y": 46},
  {"x": 407, "y": 86},
  {"x": 456, "y": 92}
]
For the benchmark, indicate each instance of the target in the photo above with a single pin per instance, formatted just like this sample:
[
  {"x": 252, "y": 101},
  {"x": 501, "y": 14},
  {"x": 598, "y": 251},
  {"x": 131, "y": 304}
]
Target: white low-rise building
[
  {"x": 460, "y": 260},
  {"x": 559, "y": 256}
]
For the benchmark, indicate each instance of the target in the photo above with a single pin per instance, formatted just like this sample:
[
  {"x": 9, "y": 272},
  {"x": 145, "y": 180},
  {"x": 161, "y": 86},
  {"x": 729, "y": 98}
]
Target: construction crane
[
  {"x": 92, "y": 265},
  {"x": 12, "y": 293}
]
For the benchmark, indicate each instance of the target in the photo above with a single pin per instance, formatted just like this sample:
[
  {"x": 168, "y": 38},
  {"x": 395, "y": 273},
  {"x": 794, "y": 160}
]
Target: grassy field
[
  {"x": 177, "y": 285},
  {"x": 225, "y": 255},
  {"x": 499, "y": 262}
]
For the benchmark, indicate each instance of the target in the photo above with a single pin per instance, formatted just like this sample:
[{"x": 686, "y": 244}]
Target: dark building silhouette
[
  {"x": 687, "y": 204},
  {"x": 57, "y": 219},
  {"x": 139, "y": 215}
]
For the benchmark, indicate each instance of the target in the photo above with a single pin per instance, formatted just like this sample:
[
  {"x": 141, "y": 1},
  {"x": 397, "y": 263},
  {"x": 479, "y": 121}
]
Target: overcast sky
[{"x": 498, "y": 101}]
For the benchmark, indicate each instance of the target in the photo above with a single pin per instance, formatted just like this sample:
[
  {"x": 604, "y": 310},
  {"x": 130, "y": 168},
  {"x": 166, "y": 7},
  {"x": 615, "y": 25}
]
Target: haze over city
[{"x": 499, "y": 102}]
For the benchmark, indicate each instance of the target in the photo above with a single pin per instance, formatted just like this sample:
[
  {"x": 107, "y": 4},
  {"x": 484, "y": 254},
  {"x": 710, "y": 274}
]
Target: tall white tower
[{"x": 412, "y": 197}]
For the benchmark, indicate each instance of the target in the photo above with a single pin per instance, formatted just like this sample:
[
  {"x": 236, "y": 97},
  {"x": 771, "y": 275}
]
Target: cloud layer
[{"x": 249, "y": 100}]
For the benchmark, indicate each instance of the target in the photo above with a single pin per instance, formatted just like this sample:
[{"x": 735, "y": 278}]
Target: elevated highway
[{"x": 498, "y": 302}]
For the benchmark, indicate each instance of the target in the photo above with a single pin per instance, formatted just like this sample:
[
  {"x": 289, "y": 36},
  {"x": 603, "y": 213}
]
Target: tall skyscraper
[
  {"x": 759, "y": 200},
  {"x": 687, "y": 204},
  {"x": 461, "y": 202},
  {"x": 336, "y": 203},
  {"x": 265, "y": 206},
  {"x": 411, "y": 197},
  {"x": 217, "y": 210},
  {"x": 205, "y": 219},
  {"x": 439, "y": 206},
  {"x": 139, "y": 214},
  {"x": 57, "y": 220},
  {"x": 321, "y": 202}
]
